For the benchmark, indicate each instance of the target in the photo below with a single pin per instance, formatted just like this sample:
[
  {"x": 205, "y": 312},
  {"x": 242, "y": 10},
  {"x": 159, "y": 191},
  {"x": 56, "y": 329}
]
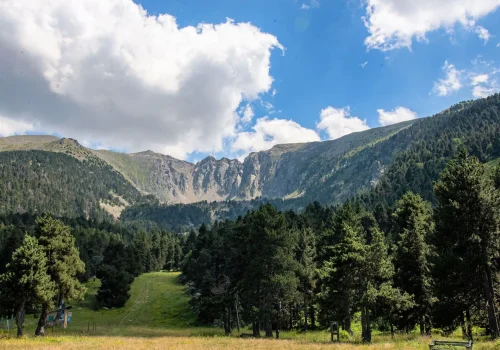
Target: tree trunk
[
  {"x": 347, "y": 324},
  {"x": 237, "y": 314},
  {"x": 313, "y": 317},
  {"x": 464, "y": 329},
  {"x": 269, "y": 328},
  {"x": 422, "y": 327},
  {"x": 428, "y": 326},
  {"x": 40, "y": 329},
  {"x": 20, "y": 320},
  {"x": 469, "y": 324},
  {"x": 392, "y": 329},
  {"x": 366, "y": 332},
  {"x": 305, "y": 311},
  {"x": 490, "y": 302}
]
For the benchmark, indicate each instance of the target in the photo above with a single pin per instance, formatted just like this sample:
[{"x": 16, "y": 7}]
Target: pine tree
[
  {"x": 413, "y": 223},
  {"x": 63, "y": 264},
  {"x": 26, "y": 282},
  {"x": 467, "y": 239},
  {"x": 306, "y": 255}
]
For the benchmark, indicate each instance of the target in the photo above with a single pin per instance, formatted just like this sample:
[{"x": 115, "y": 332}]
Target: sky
[{"x": 192, "y": 78}]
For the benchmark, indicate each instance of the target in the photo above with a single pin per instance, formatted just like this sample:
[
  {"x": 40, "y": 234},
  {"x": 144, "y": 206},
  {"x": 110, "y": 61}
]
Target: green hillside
[{"x": 42, "y": 181}]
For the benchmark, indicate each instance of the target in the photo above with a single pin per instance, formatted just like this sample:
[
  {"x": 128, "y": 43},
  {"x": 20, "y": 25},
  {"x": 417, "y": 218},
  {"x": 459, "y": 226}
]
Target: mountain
[
  {"x": 285, "y": 171},
  {"x": 375, "y": 175},
  {"x": 375, "y": 166}
]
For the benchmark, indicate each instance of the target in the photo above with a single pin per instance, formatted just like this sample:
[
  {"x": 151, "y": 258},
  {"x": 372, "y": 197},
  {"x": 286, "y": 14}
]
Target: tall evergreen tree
[
  {"x": 26, "y": 283},
  {"x": 467, "y": 238},
  {"x": 306, "y": 255},
  {"x": 63, "y": 264},
  {"x": 412, "y": 225}
]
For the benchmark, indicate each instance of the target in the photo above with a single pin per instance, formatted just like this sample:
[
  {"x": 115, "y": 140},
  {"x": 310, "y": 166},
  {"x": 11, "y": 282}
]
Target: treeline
[
  {"x": 45, "y": 260},
  {"x": 425, "y": 267}
]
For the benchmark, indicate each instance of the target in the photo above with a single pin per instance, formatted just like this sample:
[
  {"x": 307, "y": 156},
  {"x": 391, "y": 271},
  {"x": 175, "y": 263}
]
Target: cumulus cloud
[
  {"x": 479, "y": 79},
  {"x": 9, "y": 127},
  {"x": 109, "y": 72},
  {"x": 484, "y": 85},
  {"x": 483, "y": 33},
  {"x": 247, "y": 114},
  {"x": 268, "y": 132},
  {"x": 393, "y": 24},
  {"x": 337, "y": 122},
  {"x": 398, "y": 115},
  {"x": 451, "y": 83},
  {"x": 482, "y": 91}
]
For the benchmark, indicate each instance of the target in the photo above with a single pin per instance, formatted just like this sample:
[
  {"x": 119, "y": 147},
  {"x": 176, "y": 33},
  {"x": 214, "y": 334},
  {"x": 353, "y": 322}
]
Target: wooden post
[{"x": 65, "y": 322}]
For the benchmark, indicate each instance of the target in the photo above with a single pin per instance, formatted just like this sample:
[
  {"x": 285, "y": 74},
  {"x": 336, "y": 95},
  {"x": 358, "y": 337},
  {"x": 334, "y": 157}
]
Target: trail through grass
[{"x": 158, "y": 306}]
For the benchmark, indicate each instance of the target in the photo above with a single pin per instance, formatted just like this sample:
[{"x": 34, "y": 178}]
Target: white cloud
[
  {"x": 363, "y": 65},
  {"x": 483, "y": 78},
  {"x": 479, "y": 79},
  {"x": 393, "y": 24},
  {"x": 337, "y": 122},
  {"x": 483, "y": 33},
  {"x": 311, "y": 4},
  {"x": 398, "y": 115},
  {"x": 9, "y": 127},
  {"x": 450, "y": 84},
  {"x": 268, "y": 132},
  {"x": 109, "y": 72},
  {"x": 248, "y": 114},
  {"x": 482, "y": 91}
]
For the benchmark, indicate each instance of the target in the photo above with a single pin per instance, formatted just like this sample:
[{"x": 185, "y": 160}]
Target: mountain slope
[
  {"x": 285, "y": 171},
  {"x": 42, "y": 181},
  {"x": 408, "y": 160}
]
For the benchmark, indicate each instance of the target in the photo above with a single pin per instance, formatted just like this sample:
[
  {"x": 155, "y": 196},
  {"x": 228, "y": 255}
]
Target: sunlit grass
[{"x": 157, "y": 316}]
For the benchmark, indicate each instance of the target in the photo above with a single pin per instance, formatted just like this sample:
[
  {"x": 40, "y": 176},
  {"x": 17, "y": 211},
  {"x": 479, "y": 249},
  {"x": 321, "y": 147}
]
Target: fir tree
[
  {"x": 63, "y": 264},
  {"x": 412, "y": 225},
  {"x": 26, "y": 283},
  {"x": 467, "y": 239}
]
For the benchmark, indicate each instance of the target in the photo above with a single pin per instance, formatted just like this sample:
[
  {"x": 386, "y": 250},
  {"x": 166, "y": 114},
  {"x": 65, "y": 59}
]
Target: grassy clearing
[
  {"x": 157, "y": 316},
  {"x": 157, "y": 307}
]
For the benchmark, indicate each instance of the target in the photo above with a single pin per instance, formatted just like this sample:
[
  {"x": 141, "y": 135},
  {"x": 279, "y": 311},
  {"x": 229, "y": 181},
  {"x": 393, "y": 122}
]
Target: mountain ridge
[{"x": 283, "y": 171}]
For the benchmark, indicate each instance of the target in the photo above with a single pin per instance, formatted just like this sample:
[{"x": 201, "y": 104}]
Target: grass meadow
[{"x": 157, "y": 316}]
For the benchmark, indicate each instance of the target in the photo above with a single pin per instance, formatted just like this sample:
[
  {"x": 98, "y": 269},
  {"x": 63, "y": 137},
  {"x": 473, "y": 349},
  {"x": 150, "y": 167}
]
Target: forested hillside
[
  {"x": 414, "y": 157},
  {"x": 42, "y": 181},
  {"x": 422, "y": 269}
]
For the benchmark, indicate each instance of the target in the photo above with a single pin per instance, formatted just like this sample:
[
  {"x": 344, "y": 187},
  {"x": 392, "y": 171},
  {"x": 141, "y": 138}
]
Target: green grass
[
  {"x": 158, "y": 313},
  {"x": 158, "y": 306}
]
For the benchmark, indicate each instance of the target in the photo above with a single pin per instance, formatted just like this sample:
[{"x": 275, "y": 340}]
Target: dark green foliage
[
  {"x": 466, "y": 241},
  {"x": 116, "y": 272},
  {"x": 40, "y": 181},
  {"x": 63, "y": 264},
  {"x": 412, "y": 226},
  {"x": 26, "y": 283}
]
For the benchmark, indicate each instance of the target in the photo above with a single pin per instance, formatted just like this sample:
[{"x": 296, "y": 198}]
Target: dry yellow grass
[{"x": 214, "y": 343}]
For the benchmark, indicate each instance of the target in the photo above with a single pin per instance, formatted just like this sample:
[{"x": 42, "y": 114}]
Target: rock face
[{"x": 284, "y": 171}]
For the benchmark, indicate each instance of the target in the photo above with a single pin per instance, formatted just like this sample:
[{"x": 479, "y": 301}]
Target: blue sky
[{"x": 355, "y": 60}]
